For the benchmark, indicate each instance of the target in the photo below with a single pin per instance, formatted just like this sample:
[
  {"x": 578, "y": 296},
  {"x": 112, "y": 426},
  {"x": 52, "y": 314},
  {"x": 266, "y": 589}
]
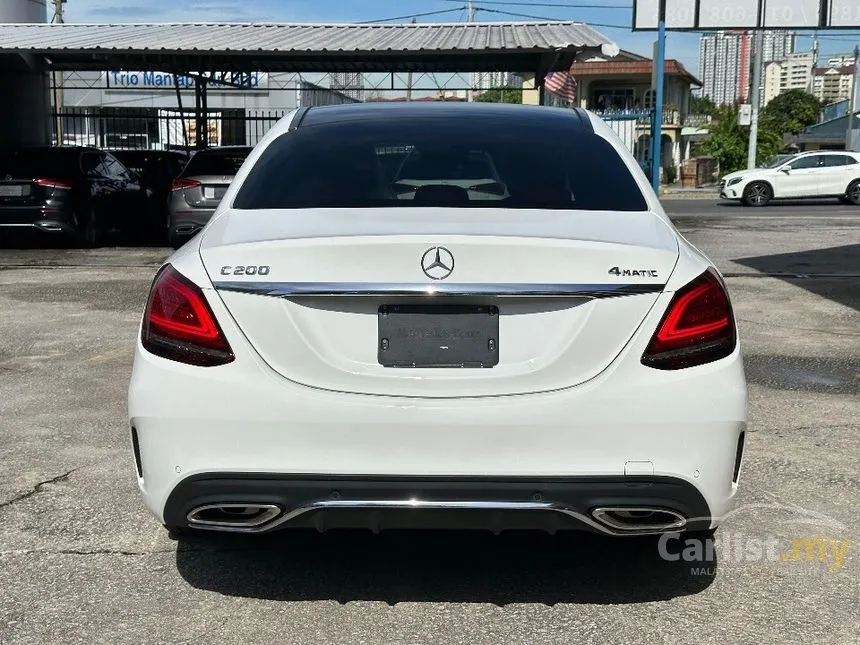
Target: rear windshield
[
  {"x": 470, "y": 161},
  {"x": 216, "y": 162}
]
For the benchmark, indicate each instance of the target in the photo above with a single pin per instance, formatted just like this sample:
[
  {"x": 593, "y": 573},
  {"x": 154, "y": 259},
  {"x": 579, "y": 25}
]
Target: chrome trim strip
[
  {"x": 325, "y": 504},
  {"x": 604, "y": 515},
  {"x": 501, "y": 290}
]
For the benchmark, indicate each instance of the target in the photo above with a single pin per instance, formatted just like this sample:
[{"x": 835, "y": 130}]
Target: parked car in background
[
  {"x": 199, "y": 188},
  {"x": 80, "y": 192},
  {"x": 819, "y": 174},
  {"x": 156, "y": 169}
]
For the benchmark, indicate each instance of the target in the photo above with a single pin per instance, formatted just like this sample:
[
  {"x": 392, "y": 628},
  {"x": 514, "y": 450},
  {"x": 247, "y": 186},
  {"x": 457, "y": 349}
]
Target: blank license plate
[
  {"x": 209, "y": 192},
  {"x": 438, "y": 336},
  {"x": 13, "y": 191}
]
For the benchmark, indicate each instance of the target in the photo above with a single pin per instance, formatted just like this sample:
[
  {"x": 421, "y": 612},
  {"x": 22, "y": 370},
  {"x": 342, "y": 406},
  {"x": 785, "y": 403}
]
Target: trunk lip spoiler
[{"x": 405, "y": 289}]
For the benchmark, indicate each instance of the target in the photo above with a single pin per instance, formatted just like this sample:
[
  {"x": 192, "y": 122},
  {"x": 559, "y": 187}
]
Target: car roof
[
  {"x": 806, "y": 153},
  {"x": 144, "y": 151},
  {"x": 325, "y": 114}
]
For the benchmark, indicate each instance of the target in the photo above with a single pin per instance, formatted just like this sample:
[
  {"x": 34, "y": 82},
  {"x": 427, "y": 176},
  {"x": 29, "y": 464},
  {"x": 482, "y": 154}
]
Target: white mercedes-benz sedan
[{"x": 524, "y": 342}]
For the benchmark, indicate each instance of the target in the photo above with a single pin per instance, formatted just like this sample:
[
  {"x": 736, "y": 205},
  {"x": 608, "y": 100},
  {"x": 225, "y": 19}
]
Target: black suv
[{"x": 74, "y": 191}]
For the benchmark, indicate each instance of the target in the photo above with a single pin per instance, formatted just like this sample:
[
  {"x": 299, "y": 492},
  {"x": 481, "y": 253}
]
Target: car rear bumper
[
  {"x": 42, "y": 219},
  {"x": 244, "y": 429},
  {"x": 188, "y": 223},
  {"x": 551, "y": 504}
]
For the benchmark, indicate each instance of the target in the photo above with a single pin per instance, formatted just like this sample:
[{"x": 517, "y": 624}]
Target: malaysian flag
[{"x": 561, "y": 84}]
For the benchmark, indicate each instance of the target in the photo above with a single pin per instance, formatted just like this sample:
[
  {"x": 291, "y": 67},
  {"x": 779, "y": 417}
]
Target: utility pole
[
  {"x": 755, "y": 98},
  {"x": 657, "y": 126},
  {"x": 852, "y": 102},
  {"x": 810, "y": 85},
  {"x": 470, "y": 92},
  {"x": 409, "y": 74},
  {"x": 59, "y": 19}
]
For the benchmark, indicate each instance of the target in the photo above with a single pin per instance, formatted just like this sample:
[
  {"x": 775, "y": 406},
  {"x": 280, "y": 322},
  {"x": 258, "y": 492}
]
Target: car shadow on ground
[
  {"x": 40, "y": 241},
  {"x": 788, "y": 203},
  {"x": 439, "y": 566},
  {"x": 817, "y": 270}
]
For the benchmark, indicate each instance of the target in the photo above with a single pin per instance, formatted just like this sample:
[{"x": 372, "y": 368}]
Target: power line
[
  {"x": 525, "y": 15},
  {"x": 551, "y": 4},
  {"x": 411, "y": 15}
]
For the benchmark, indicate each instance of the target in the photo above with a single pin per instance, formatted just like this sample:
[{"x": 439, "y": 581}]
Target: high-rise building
[
  {"x": 777, "y": 45},
  {"x": 794, "y": 72},
  {"x": 349, "y": 83},
  {"x": 487, "y": 80},
  {"x": 832, "y": 84},
  {"x": 725, "y": 58},
  {"x": 724, "y": 66},
  {"x": 797, "y": 72},
  {"x": 772, "y": 77}
]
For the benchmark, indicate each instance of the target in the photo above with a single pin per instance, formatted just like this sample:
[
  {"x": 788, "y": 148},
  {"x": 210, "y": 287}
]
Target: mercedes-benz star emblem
[{"x": 437, "y": 263}]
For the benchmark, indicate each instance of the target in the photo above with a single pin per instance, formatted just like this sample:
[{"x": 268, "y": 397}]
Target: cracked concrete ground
[{"x": 83, "y": 562}]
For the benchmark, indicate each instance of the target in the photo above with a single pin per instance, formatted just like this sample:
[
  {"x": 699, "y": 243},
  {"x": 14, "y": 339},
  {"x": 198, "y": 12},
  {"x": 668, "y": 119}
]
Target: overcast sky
[{"x": 612, "y": 17}]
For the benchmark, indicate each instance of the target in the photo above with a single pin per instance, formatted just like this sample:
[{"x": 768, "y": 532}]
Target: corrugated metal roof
[{"x": 303, "y": 38}]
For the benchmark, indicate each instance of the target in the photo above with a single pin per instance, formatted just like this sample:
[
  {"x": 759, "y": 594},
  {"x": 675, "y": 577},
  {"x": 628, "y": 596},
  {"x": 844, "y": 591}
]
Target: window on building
[
  {"x": 649, "y": 99},
  {"x": 613, "y": 99}
]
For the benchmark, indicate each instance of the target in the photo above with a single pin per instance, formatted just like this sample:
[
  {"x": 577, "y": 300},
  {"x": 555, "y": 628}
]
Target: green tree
[
  {"x": 501, "y": 95},
  {"x": 702, "y": 105},
  {"x": 790, "y": 112},
  {"x": 728, "y": 142}
]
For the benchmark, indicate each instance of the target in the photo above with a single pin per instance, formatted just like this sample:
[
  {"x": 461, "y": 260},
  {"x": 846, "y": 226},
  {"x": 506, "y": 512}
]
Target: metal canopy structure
[{"x": 240, "y": 47}]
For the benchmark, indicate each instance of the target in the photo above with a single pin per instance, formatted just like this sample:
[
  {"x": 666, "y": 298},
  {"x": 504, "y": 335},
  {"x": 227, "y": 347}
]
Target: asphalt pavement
[{"x": 83, "y": 562}]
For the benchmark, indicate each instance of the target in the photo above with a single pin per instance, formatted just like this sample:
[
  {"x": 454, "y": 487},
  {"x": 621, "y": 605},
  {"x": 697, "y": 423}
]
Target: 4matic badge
[{"x": 645, "y": 273}]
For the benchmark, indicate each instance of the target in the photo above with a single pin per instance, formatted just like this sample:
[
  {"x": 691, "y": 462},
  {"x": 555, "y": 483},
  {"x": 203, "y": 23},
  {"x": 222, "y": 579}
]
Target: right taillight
[
  {"x": 181, "y": 183},
  {"x": 698, "y": 326},
  {"x": 178, "y": 323},
  {"x": 56, "y": 184}
]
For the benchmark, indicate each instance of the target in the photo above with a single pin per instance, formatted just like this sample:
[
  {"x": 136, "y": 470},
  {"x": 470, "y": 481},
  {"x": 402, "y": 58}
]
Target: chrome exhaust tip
[
  {"x": 232, "y": 517},
  {"x": 639, "y": 519}
]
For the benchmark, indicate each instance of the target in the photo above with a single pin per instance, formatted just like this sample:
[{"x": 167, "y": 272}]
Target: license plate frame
[{"x": 438, "y": 336}]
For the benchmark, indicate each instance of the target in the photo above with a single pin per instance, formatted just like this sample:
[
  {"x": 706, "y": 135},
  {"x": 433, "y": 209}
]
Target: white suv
[{"x": 807, "y": 175}]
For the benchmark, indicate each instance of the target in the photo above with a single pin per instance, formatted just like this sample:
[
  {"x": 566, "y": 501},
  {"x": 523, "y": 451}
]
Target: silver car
[{"x": 197, "y": 191}]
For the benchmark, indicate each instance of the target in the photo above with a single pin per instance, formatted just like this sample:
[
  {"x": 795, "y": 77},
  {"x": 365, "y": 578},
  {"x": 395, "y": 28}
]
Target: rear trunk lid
[{"x": 576, "y": 285}]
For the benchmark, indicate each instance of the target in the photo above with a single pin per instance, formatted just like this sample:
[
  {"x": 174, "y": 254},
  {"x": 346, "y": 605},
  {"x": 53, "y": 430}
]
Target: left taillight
[
  {"x": 697, "y": 328},
  {"x": 178, "y": 323}
]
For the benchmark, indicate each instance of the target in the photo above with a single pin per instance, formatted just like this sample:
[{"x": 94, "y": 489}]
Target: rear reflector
[
  {"x": 59, "y": 184},
  {"x": 181, "y": 183},
  {"x": 135, "y": 446},
  {"x": 179, "y": 325},
  {"x": 698, "y": 326}
]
